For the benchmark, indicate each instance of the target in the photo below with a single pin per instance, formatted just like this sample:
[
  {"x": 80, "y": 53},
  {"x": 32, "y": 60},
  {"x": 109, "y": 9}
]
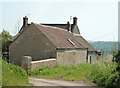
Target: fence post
[{"x": 26, "y": 62}]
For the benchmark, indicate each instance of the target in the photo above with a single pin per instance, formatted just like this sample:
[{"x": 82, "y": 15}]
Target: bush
[
  {"x": 103, "y": 73},
  {"x": 116, "y": 58}
]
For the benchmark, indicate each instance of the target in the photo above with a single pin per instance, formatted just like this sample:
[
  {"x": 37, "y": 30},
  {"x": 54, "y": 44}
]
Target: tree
[{"x": 5, "y": 38}]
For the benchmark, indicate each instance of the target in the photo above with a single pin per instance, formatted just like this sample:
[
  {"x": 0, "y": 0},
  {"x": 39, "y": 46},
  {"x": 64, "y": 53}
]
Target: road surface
[{"x": 49, "y": 82}]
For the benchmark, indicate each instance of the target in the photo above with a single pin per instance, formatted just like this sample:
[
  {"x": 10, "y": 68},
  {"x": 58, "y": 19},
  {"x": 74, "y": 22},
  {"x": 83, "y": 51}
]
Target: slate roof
[
  {"x": 79, "y": 38},
  {"x": 72, "y": 27},
  {"x": 85, "y": 44},
  {"x": 57, "y": 25},
  {"x": 61, "y": 38}
]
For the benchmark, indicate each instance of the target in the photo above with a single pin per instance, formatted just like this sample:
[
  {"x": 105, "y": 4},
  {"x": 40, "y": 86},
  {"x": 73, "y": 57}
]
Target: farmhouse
[{"x": 62, "y": 42}]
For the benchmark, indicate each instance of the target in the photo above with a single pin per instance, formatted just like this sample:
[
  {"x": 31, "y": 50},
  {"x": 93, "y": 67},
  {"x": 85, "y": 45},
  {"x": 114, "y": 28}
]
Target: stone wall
[
  {"x": 26, "y": 62},
  {"x": 71, "y": 57},
  {"x": 31, "y": 42},
  {"x": 64, "y": 57},
  {"x": 43, "y": 63}
]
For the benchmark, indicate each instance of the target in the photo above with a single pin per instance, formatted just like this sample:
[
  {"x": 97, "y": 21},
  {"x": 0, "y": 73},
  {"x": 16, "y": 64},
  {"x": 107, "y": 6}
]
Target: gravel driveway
[{"x": 49, "y": 82}]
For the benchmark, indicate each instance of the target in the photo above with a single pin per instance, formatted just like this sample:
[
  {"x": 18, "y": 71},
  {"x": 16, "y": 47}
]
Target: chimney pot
[
  {"x": 25, "y": 21},
  {"x": 68, "y": 26},
  {"x": 75, "y": 20}
]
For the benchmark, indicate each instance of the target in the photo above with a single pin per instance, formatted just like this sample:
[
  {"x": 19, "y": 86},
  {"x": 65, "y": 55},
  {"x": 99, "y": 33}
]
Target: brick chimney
[
  {"x": 68, "y": 26},
  {"x": 25, "y": 21},
  {"x": 74, "y": 20}
]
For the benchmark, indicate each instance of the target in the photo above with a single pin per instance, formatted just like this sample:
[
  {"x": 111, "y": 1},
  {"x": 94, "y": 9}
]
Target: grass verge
[
  {"x": 101, "y": 73},
  {"x": 72, "y": 73},
  {"x": 13, "y": 75}
]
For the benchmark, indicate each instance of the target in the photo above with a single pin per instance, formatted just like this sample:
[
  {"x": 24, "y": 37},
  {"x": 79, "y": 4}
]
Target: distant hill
[{"x": 105, "y": 46}]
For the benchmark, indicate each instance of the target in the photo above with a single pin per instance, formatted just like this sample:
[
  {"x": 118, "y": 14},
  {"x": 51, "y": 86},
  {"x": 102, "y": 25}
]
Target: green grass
[
  {"x": 101, "y": 73},
  {"x": 62, "y": 72},
  {"x": 13, "y": 75}
]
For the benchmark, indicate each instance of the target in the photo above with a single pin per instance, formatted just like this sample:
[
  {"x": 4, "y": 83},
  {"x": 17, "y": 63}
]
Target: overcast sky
[{"x": 97, "y": 19}]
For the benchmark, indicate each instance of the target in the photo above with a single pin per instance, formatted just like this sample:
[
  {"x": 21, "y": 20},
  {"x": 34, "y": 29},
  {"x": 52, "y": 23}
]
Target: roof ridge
[
  {"x": 52, "y": 27},
  {"x": 59, "y": 38}
]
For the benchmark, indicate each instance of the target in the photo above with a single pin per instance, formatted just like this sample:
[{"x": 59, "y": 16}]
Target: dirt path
[{"x": 49, "y": 82}]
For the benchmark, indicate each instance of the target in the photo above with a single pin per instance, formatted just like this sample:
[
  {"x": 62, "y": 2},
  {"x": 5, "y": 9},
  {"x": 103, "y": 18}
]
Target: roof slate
[
  {"x": 59, "y": 37},
  {"x": 57, "y": 25},
  {"x": 64, "y": 26},
  {"x": 85, "y": 44}
]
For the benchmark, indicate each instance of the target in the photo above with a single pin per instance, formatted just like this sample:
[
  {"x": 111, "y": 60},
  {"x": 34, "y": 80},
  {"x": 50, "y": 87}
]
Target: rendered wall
[
  {"x": 93, "y": 56},
  {"x": 71, "y": 57}
]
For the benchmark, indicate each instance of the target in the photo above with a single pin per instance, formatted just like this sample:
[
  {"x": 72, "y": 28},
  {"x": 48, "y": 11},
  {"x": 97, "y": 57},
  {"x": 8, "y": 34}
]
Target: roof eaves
[{"x": 72, "y": 48}]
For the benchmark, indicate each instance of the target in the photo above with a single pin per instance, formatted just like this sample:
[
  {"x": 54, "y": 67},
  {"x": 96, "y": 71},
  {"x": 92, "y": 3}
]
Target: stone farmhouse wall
[
  {"x": 92, "y": 56},
  {"x": 32, "y": 46},
  {"x": 31, "y": 43},
  {"x": 64, "y": 57},
  {"x": 71, "y": 57}
]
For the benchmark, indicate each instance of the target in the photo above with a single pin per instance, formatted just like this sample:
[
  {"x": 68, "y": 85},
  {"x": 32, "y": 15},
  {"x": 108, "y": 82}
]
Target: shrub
[
  {"x": 103, "y": 73},
  {"x": 116, "y": 58}
]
